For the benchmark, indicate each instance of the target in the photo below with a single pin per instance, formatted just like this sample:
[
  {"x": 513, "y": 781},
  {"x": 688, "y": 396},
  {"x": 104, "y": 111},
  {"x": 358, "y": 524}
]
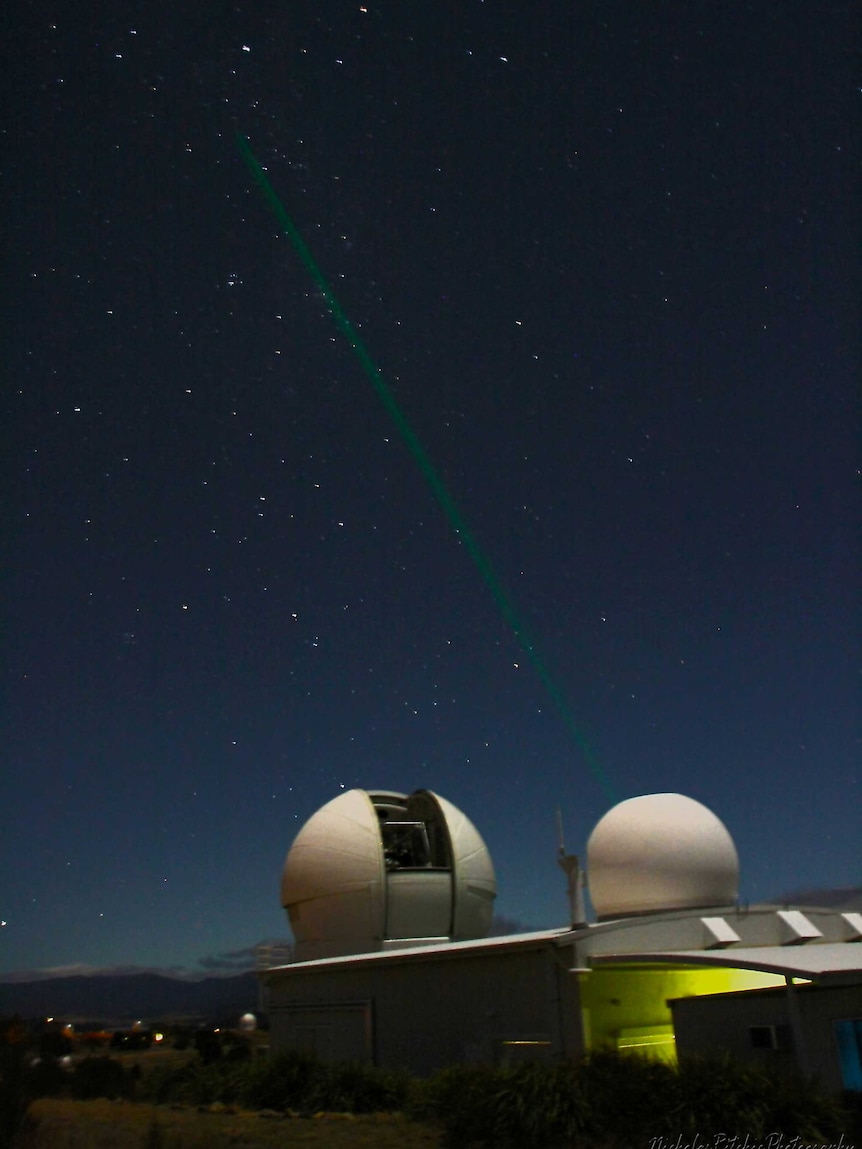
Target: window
[
  {"x": 405, "y": 845},
  {"x": 769, "y": 1036}
]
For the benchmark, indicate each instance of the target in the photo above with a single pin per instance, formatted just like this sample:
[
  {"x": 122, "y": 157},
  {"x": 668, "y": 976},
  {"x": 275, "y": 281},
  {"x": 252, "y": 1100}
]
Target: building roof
[
  {"x": 429, "y": 951},
  {"x": 815, "y": 943},
  {"x": 826, "y": 959}
]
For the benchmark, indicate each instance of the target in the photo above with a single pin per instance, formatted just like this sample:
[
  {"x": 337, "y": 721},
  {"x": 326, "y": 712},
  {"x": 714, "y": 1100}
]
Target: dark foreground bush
[
  {"x": 718, "y": 1093},
  {"x": 101, "y": 1077},
  {"x": 852, "y": 1102},
  {"x": 195, "y": 1083},
  {"x": 23, "y": 1080},
  {"x": 630, "y": 1096},
  {"x": 612, "y": 1101},
  {"x": 300, "y": 1082},
  {"x": 355, "y": 1088},
  {"x": 296, "y": 1081},
  {"x": 607, "y": 1100},
  {"x": 288, "y": 1081},
  {"x": 531, "y": 1106}
]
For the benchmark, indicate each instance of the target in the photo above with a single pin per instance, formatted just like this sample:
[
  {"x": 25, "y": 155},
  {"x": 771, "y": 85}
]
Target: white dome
[
  {"x": 660, "y": 852},
  {"x": 376, "y": 868},
  {"x": 332, "y": 883},
  {"x": 474, "y": 878}
]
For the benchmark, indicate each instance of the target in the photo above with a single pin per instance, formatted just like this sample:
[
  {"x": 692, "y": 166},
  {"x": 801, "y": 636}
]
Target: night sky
[{"x": 604, "y": 258}]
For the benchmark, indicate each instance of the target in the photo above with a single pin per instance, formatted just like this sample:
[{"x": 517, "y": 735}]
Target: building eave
[{"x": 823, "y": 960}]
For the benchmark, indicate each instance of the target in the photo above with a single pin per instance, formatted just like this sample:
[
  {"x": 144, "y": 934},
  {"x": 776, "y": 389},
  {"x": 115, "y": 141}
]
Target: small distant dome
[
  {"x": 247, "y": 1023},
  {"x": 373, "y": 869},
  {"x": 660, "y": 852}
]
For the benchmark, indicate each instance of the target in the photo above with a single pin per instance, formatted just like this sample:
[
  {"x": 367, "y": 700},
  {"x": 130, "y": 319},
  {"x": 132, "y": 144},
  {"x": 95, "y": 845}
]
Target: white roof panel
[
  {"x": 432, "y": 950},
  {"x": 818, "y": 960}
]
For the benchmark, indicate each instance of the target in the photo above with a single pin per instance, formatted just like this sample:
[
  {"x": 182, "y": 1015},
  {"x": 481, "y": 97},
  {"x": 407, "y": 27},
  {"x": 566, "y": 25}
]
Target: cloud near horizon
[
  {"x": 226, "y": 964},
  {"x": 81, "y": 969},
  {"x": 232, "y": 961}
]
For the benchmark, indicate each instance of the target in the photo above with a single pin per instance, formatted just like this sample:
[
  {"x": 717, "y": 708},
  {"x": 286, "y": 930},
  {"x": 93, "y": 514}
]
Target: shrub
[
  {"x": 630, "y": 1096},
  {"x": 208, "y": 1045},
  {"x": 462, "y": 1099},
  {"x": 288, "y": 1081},
  {"x": 45, "y": 1078},
  {"x": 720, "y": 1095},
  {"x": 607, "y": 1099},
  {"x": 529, "y": 1107},
  {"x": 295, "y": 1080},
  {"x": 237, "y": 1049},
  {"x": 356, "y": 1088},
  {"x": 101, "y": 1077},
  {"x": 192, "y": 1084},
  {"x": 541, "y": 1105},
  {"x": 851, "y": 1105},
  {"x": 615, "y": 1100}
]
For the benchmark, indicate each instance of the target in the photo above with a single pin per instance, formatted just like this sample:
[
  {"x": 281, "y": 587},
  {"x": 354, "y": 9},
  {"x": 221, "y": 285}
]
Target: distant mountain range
[
  {"x": 118, "y": 998},
  {"x": 124, "y": 995}
]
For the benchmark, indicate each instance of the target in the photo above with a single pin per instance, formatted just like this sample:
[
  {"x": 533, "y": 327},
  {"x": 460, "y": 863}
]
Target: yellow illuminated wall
[{"x": 625, "y": 1006}]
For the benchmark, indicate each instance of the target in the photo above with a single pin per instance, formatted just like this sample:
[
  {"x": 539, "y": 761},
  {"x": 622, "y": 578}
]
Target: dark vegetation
[
  {"x": 606, "y": 1101},
  {"x": 294, "y": 1082},
  {"x": 614, "y": 1102}
]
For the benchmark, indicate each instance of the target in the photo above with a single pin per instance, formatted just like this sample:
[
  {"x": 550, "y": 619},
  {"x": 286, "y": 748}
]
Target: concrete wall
[{"x": 425, "y": 1013}]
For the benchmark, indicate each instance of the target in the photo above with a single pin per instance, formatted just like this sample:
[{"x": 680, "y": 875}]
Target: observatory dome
[
  {"x": 660, "y": 852},
  {"x": 374, "y": 870}
]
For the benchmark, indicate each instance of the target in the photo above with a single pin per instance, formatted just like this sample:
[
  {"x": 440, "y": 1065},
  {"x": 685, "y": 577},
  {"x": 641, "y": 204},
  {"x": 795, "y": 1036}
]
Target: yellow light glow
[
  {"x": 649, "y": 1043},
  {"x": 625, "y": 1006}
]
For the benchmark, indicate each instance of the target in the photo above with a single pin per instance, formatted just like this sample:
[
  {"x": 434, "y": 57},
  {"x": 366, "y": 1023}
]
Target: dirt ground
[{"x": 54, "y": 1123}]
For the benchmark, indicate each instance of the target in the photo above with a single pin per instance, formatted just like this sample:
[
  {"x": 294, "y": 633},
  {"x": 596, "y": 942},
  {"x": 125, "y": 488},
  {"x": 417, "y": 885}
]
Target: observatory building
[
  {"x": 390, "y": 900},
  {"x": 376, "y": 870}
]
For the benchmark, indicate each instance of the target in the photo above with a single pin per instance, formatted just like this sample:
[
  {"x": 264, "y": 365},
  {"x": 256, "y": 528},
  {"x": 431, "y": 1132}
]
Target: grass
[{"x": 58, "y": 1123}]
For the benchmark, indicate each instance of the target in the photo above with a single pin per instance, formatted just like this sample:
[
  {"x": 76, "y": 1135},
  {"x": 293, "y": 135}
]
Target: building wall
[
  {"x": 427, "y": 1013},
  {"x": 535, "y": 996},
  {"x": 333, "y": 1031},
  {"x": 820, "y": 1008},
  {"x": 755, "y": 926},
  {"x": 805, "y": 1043}
]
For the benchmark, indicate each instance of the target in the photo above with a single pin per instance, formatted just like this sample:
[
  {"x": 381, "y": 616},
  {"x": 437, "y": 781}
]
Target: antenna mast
[{"x": 571, "y": 867}]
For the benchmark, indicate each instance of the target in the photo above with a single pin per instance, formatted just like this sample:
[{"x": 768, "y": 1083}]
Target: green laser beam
[{"x": 424, "y": 463}]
